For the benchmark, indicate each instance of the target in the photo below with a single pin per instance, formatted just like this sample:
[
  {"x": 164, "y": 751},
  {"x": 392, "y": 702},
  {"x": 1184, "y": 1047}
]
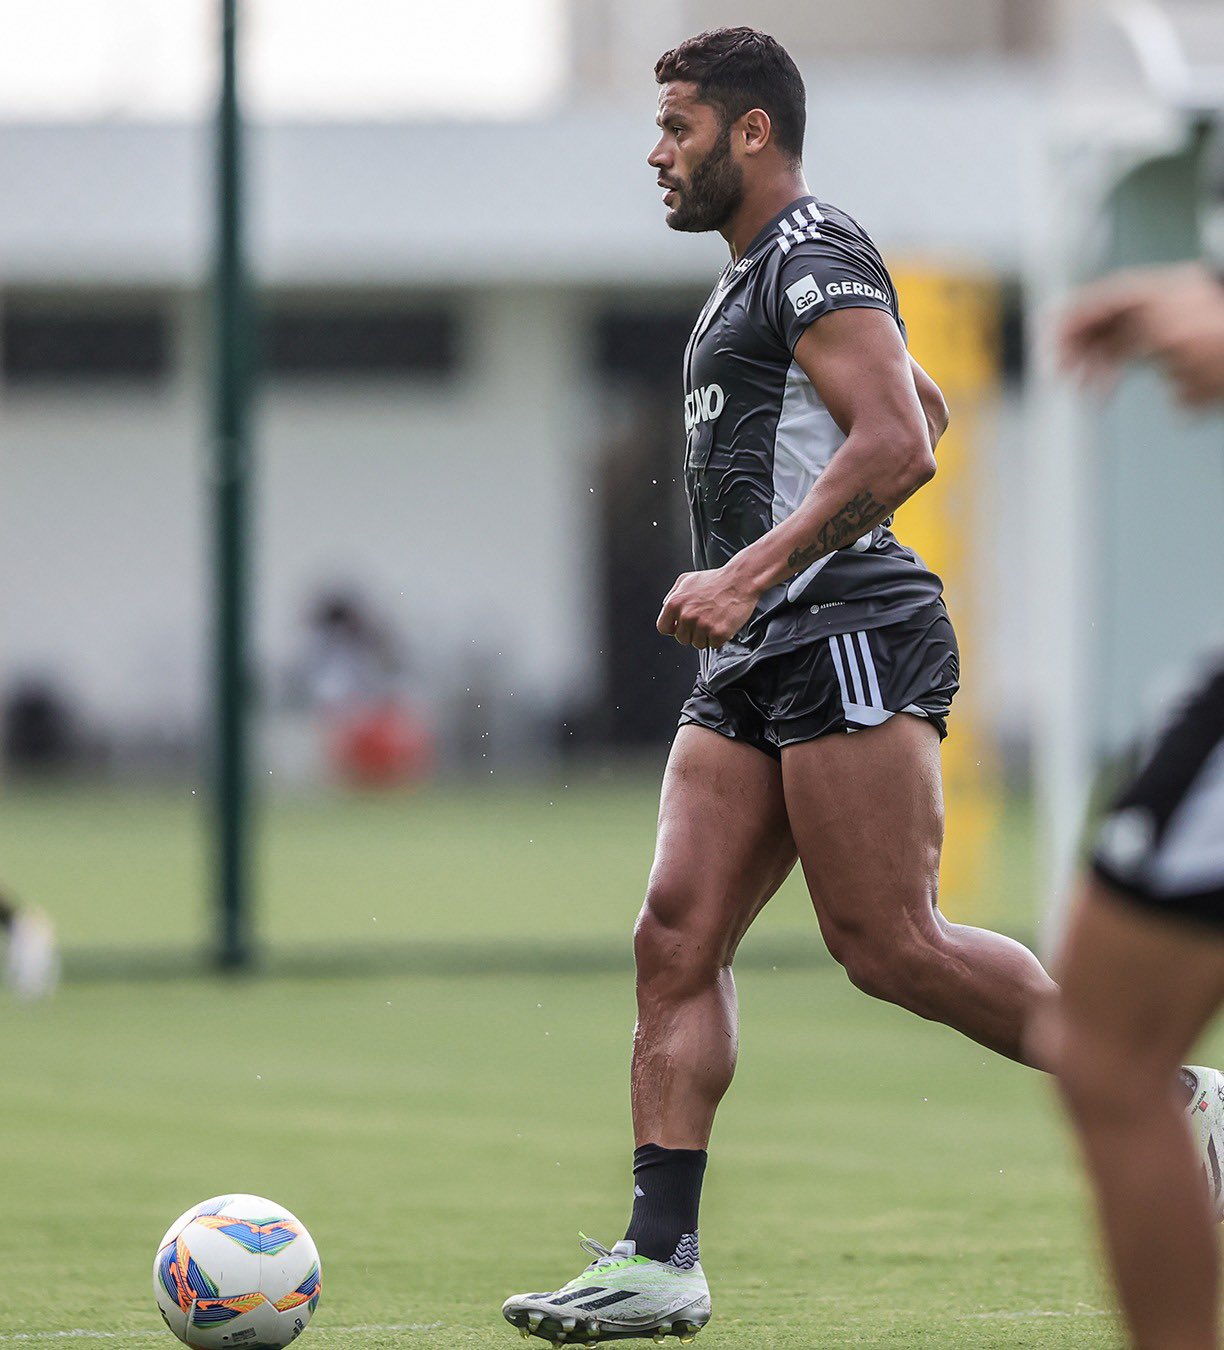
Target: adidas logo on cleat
[{"x": 621, "y": 1296}]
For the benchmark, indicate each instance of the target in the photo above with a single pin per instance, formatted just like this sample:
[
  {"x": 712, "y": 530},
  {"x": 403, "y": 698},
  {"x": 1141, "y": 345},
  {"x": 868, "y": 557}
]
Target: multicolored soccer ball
[{"x": 237, "y": 1271}]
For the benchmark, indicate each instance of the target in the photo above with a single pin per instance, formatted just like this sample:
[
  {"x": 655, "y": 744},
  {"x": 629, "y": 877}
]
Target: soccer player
[
  {"x": 807, "y": 426},
  {"x": 32, "y": 964},
  {"x": 1142, "y": 970}
]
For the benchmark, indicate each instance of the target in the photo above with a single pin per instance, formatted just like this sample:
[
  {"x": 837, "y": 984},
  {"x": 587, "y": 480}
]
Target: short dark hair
[{"x": 738, "y": 69}]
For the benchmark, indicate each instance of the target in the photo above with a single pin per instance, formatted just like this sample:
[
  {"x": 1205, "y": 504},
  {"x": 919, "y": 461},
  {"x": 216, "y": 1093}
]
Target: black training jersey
[{"x": 759, "y": 436}]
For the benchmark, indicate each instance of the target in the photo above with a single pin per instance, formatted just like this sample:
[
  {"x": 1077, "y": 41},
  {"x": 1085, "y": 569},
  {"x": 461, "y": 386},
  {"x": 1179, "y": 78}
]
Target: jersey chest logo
[{"x": 703, "y": 405}]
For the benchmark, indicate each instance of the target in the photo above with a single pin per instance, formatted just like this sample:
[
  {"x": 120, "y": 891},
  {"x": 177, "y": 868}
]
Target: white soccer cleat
[
  {"x": 620, "y": 1296},
  {"x": 32, "y": 966},
  {"x": 1206, "y": 1113}
]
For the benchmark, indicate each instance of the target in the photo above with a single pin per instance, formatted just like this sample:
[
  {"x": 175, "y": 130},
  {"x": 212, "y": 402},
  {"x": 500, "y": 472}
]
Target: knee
[
  {"x": 1101, "y": 1075},
  {"x": 674, "y": 953},
  {"x": 904, "y": 968}
]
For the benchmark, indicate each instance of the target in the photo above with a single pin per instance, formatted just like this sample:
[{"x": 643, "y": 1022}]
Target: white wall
[
  {"x": 103, "y": 513},
  {"x": 460, "y": 510},
  {"x": 101, "y": 543},
  {"x": 935, "y": 158}
]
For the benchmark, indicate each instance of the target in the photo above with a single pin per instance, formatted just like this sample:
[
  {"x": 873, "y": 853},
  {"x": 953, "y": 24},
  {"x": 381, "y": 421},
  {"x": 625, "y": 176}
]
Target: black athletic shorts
[
  {"x": 841, "y": 683},
  {"x": 1162, "y": 843}
]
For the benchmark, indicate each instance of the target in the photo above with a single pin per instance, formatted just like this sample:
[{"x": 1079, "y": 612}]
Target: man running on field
[{"x": 808, "y": 425}]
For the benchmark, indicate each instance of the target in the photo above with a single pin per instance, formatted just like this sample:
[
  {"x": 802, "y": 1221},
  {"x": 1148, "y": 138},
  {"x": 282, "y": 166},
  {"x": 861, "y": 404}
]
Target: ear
[{"x": 757, "y": 131}]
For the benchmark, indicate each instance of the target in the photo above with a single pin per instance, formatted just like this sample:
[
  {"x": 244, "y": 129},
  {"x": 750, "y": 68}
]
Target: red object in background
[{"x": 383, "y": 745}]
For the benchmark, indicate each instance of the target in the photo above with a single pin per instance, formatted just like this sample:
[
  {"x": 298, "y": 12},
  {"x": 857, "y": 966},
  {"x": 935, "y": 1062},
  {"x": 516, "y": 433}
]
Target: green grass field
[
  {"x": 459, "y": 877},
  {"x": 874, "y": 1180}
]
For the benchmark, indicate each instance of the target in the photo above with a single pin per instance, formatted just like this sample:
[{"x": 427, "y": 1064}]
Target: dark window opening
[
  {"x": 644, "y": 346},
  {"x": 323, "y": 341},
  {"x": 52, "y": 342},
  {"x": 642, "y": 520}
]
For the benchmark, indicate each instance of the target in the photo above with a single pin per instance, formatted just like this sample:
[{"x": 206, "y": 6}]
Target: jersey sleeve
[{"x": 813, "y": 279}]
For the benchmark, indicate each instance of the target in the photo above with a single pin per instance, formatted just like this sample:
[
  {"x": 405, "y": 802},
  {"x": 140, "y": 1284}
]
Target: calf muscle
[{"x": 724, "y": 847}]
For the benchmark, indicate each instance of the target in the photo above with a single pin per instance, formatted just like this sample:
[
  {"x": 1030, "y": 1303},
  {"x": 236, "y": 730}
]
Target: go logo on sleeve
[
  {"x": 703, "y": 405},
  {"x": 804, "y": 294}
]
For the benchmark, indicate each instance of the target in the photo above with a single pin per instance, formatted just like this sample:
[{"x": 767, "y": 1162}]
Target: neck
[{"x": 759, "y": 208}]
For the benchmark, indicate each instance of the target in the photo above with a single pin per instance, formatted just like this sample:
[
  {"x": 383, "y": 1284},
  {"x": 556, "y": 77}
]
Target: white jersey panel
[
  {"x": 804, "y": 444},
  {"x": 807, "y": 439}
]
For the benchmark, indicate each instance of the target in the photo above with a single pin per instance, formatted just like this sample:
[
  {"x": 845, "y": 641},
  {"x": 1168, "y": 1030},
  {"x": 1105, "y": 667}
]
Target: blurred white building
[
  {"x": 614, "y": 40},
  {"x": 454, "y": 320}
]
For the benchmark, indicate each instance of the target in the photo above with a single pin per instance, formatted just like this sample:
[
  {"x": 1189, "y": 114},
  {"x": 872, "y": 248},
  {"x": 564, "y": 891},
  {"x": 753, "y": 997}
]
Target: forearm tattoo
[{"x": 860, "y": 514}]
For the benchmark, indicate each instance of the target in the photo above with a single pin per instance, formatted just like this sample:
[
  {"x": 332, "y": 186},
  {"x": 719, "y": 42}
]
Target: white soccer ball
[{"x": 237, "y": 1271}]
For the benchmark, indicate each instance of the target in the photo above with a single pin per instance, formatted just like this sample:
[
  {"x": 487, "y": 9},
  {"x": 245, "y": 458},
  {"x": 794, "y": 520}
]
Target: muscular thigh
[
  {"x": 724, "y": 843},
  {"x": 866, "y": 811}
]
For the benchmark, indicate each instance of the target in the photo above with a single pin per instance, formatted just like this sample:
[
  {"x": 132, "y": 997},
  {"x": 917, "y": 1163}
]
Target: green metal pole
[{"x": 231, "y": 469}]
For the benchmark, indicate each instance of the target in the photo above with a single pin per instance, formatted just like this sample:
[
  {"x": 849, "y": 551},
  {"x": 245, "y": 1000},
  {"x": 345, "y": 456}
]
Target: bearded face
[{"x": 712, "y": 193}]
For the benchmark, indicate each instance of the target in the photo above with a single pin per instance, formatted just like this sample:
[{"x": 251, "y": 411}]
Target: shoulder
[
  {"x": 830, "y": 242},
  {"x": 809, "y": 270},
  {"x": 802, "y": 225},
  {"x": 819, "y": 226}
]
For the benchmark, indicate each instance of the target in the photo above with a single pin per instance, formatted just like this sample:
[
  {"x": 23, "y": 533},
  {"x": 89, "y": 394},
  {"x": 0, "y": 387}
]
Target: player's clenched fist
[{"x": 706, "y": 609}]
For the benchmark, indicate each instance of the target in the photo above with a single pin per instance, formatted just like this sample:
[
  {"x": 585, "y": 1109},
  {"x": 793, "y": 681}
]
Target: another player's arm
[
  {"x": 1171, "y": 315},
  {"x": 857, "y": 362}
]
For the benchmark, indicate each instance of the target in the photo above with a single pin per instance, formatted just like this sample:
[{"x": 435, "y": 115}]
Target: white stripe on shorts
[
  {"x": 873, "y": 684},
  {"x": 1190, "y": 857},
  {"x": 852, "y": 663},
  {"x": 864, "y": 706},
  {"x": 835, "y": 650}
]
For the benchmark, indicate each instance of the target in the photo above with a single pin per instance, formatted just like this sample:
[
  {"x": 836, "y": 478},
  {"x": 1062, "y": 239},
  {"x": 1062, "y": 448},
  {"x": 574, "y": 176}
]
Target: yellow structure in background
[{"x": 953, "y": 325}]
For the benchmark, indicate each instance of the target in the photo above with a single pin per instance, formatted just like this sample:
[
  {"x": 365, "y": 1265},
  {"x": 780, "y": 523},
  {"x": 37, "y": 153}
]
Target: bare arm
[
  {"x": 934, "y": 409},
  {"x": 858, "y": 364},
  {"x": 1171, "y": 315}
]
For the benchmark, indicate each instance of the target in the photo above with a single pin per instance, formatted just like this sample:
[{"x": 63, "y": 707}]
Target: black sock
[{"x": 666, "y": 1194}]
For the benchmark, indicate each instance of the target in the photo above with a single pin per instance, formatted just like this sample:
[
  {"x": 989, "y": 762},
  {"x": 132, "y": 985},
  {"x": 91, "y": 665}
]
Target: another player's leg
[
  {"x": 724, "y": 847},
  {"x": 1136, "y": 991},
  {"x": 867, "y": 814}
]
